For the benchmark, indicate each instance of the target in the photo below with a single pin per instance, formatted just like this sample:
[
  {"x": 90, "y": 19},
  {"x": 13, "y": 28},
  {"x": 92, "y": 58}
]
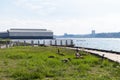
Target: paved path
[
  {"x": 108, "y": 55},
  {"x": 5, "y": 46}
]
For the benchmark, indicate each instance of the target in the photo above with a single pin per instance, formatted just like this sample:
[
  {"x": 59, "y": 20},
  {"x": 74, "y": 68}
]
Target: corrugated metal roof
[{"x": 29, "y": 30}]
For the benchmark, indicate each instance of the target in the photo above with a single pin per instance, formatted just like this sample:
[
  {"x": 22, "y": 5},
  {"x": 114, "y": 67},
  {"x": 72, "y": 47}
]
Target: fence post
[
  {"x": 61, "y": 42},
  {"x": 55, "y": 42},
  {"x": 44, "y": 42},
  {"x": 66, "y": 43},
  {"x": 72, "y": 43},
  {"x": 10, "y": 44},
  {"x": 6, "y": 44},
  {"x": 38, "y": 43},
  {"x": 17, "y": 43},
  {"x": 24, "y": 43},
  {"x": 50, "y": 42},
  {"x": 32, "y": 43}
]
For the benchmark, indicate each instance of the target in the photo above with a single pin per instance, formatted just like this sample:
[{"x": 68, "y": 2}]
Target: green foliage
[{"x": 43, "y": 63}]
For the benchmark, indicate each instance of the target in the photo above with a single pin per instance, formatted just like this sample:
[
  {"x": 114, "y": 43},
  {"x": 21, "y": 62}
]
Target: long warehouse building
[{"x": 27, "y": 34}]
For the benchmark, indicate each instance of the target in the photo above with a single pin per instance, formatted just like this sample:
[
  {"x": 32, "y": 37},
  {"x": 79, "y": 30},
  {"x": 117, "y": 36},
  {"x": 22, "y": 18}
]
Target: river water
[{"x": 111, "y": 44}]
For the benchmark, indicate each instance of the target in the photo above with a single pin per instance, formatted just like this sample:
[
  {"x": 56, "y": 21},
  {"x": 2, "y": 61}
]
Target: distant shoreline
[{"x": 96, "y": 35}]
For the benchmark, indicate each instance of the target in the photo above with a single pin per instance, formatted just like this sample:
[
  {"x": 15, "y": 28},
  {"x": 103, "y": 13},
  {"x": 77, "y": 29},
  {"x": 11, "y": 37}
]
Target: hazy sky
[{"x": 61, "y": 16}]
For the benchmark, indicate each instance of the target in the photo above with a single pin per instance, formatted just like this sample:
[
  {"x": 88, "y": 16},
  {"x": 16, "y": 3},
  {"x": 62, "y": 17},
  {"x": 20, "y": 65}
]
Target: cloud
[
  {"x": 52, "y": 9},
  {"x": 42, "y": 7},
  {"x": 108, "y": 23},
  {"x": 65, "y": 16}
]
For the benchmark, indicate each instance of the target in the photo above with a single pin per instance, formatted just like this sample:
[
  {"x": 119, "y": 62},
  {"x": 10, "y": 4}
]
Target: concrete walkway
[
  {"x": 5, "y": 46},
  {"x": 112, "y": 56}
]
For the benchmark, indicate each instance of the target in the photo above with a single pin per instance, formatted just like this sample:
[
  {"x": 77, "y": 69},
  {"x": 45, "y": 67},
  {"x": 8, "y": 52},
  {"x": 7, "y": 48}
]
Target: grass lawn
[{"x": 43, "y": 63}]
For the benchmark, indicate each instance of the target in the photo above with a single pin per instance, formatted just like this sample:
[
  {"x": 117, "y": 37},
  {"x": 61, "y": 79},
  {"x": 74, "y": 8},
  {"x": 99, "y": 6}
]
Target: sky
[{"x": 61, "y": 16}]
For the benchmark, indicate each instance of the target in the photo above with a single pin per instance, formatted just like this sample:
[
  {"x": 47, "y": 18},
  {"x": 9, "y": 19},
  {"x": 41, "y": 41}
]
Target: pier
[
  {"x": 45, "y": 42},
  {"x": 65, "y": 43}
]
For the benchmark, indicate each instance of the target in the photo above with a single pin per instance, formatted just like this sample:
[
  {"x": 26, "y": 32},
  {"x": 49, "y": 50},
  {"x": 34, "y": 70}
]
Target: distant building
[
  {"x": 65, "y": 34},
  {"x": 93, "y": 32},
  {"x": 27, "y": 34}
]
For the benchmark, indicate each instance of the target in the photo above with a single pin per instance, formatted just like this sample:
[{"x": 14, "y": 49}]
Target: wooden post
[
  {"x": 71, "y": 42},
  {"x": 6, "y": 44},
  {"x": 66, "y": 43},
  {"x": 55, "y": 42},
  {"x": 24, "y": 43},
  {"x": 61, "y": 42},
  {"x": 38, "y": 43},
  {"x": 17, "y": 43},
  {"x": 50, "y": 42},
  {"x": 32, "y": 43},
  {"x": 44, "y": 42},
  {"x": 10, "y": 44}
]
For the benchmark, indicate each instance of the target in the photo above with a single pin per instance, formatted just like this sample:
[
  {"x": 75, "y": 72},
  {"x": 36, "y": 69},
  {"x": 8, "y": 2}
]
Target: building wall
[
  {"x": 31, "y": 37},
  {"x": 30, "y": 34},
  {"x": 27, "y": 34},
  {"x": 4, "y": 35}
]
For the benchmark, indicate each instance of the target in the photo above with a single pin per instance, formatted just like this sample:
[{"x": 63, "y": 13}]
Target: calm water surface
[{"x": 98, "y": 43}]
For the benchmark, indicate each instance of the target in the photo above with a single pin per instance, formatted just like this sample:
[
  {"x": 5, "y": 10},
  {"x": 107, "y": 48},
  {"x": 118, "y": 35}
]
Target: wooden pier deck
[{"x": 109, "y": 55}]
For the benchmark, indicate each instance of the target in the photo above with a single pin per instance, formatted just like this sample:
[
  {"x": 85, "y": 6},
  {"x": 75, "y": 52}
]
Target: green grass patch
[{"x": 44, "y": 63}]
